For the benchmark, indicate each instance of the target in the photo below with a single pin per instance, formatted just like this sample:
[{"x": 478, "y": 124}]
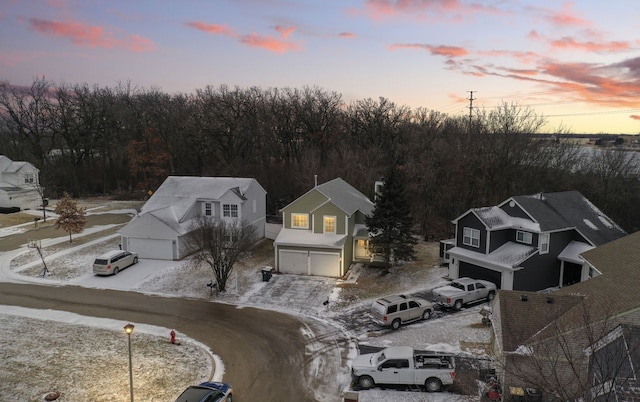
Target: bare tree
[
  {"x": 574, "y": 357},
  {"x": 71, "y": 217},
  {"x": 219, "y": 244}
]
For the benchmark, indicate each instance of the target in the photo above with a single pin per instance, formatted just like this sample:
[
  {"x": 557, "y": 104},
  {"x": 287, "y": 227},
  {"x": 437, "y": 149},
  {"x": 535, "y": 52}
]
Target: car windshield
[
  {"x": 457, "y": 285},
  {"x": 381, "y": 357}
]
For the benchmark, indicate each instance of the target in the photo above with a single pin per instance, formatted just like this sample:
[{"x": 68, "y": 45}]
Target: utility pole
[{"x": 470, "y": 108}]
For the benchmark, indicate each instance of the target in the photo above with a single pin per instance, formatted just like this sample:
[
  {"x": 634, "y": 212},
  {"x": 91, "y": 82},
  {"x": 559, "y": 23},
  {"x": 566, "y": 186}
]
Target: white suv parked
[{"x": 400, "y": 309}]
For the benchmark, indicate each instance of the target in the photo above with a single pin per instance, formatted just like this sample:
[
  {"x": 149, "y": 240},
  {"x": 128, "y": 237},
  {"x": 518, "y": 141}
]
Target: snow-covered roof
[
  {"x": 299, "y": 237},
  {"x": 572, "y": 252},
  {"x": 496, "y": 218},
  {"x": 509, "y": 255},
  {"x": 181, "y": 192}
]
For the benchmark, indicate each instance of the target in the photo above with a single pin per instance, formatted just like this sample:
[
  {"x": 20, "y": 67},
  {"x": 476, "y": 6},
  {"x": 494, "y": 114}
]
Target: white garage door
[
  {"x": 294, "y": 262},
  {"x": 151, "y": 248},
  {"x": 325, "y": 264}
]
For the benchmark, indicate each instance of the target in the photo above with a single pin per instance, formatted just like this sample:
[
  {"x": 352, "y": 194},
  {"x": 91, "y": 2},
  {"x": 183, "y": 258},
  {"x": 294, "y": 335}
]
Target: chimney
[
  {"x": 524, "y": 298},
  {"x": 315, "y": 180}
]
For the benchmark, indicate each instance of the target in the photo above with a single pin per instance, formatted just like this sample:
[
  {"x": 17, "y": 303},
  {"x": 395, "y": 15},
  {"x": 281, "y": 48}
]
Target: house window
[
  {"x": 29, "y": 178},
  {"x": 300, "y": 221},
  {"x": 230, "y": 210},
  {"x": 208, "y": 211},
  {"x": 471, "y": 237},
  {"x": 543, "y": 243},
  {"x": 524, "y": 237},
  {"x": 330, "y": 224}
]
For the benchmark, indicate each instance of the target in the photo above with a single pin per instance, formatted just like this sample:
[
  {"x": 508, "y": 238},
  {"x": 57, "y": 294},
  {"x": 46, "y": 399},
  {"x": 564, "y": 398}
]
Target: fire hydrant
[{"x": 173, "y": 336}]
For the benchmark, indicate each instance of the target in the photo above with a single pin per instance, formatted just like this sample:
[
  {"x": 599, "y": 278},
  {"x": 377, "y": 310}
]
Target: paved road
[{"x": 266, "y": 354}]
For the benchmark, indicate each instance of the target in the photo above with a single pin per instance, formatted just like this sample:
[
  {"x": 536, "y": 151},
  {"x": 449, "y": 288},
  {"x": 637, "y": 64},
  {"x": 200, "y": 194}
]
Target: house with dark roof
[
  {"x": 581, "y": 340},
  {"x": 530, "y": 242},
  {"x": 160, "y": 230},
  {"x": 19, "y": 185},
  {"x": 324, "y": 231}
]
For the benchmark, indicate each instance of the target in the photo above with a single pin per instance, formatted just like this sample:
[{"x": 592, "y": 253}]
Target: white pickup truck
[
  {"x": 462, "y": 291},
  {"x": 402, "y": 365}
]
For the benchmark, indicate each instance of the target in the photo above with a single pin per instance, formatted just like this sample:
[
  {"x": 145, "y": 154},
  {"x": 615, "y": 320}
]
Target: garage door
[
  {"x": 475, "y": 272},
  {"x": 325, "y": 264},
  {"x": 293, "y": 262},
  {"x": 151, "y": 248}
]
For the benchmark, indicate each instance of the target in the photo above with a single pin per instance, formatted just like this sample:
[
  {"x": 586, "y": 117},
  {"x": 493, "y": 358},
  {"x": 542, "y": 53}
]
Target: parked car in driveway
[
  {"x": 400, "y": 309},
  {"x": 462, "y": 291},
  {"x": 113, "y": 262},
  {"x": 207, "y": 392}
]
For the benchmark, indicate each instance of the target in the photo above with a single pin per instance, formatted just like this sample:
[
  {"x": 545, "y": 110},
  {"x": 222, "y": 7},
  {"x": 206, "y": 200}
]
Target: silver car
[
  {"x": 113, "y": 262},
  {"x": 400, "y": 309}
]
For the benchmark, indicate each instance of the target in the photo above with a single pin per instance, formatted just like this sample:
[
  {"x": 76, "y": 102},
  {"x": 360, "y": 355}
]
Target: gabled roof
[
  {"x": 177, "y": 194},
  {"x": 524, "y": 314},
  {"x": 611, "y": 294},
  {"x": 570, "y": 209},
  {"x": 496, "y": 218},
  {"x": 616, "y": 289},
  {"x": 344, "y": 196}
]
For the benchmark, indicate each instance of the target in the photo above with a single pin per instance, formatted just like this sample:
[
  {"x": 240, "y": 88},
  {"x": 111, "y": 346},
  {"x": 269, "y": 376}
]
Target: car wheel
[
  {"x": 426, "y": 315},
  {"x": 491, "y": 295},
  {"x": 365, "y": 382},
  {"x": 395, "y": 324},
  {"x": 457, "y": 305},
  {"x": 135, "y": 261},
  {"x": 116, "y": 270},
  {"x": 433, "y": 385},
  {"x": 229, "y": 398}
]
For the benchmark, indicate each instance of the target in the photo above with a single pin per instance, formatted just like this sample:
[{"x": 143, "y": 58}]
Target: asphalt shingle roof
[
  {"x": 570, "y": 209},
  {"x": 346, "y": 197}
]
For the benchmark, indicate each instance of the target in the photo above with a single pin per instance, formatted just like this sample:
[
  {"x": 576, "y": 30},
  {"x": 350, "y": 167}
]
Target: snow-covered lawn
[{"x": 85, "y": 358}]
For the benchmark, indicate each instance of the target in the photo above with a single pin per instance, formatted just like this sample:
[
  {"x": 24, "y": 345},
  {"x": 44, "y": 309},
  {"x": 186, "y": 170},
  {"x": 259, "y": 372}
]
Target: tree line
[{"x": 125, "y": 140}]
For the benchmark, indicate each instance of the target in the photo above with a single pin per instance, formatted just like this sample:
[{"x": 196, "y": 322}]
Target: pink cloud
[
  {"x": 277, "y": 45},
  {"x": 348, "y": 35},
  {"x": 524, "y": 57},
  {"x": 635, "y": 117},
  {"x": 570, "y": 43},
  {"x": 268, "y": 43},
  {"x": 284, "y": 30},
  {"x": 447, "y": 51},
  {"x": 212, "y": 28},
  {"x": 455, "y": 10},
  {"x": 567, "y": 16},
  {"x": 90, "y": 36}
]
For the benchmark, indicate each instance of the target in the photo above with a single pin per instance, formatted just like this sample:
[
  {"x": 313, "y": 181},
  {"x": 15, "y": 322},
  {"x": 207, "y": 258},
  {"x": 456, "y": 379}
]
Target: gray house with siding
[
  {"x": 324, "y": 231},
  {"x": 530, "y": 242},
  {"x": 160, "y": 230}
]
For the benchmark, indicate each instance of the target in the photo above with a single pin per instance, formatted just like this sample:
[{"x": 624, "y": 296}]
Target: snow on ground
[{"x": 41, "y": 361}]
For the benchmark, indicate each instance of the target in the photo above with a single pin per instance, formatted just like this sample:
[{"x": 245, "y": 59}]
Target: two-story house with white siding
[
  {"x": 19, "y": 185},
  {"x": 160, "y": 229}
]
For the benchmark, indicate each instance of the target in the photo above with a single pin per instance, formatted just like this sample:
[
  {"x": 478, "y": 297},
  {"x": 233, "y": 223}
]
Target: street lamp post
[{"x": 129, "y": 330}]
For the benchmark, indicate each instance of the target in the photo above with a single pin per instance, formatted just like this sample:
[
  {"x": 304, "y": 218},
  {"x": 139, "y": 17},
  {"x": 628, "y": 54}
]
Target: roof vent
[
  {"x": 524, "y": 298},
  {"x": 549, "y": 299}
]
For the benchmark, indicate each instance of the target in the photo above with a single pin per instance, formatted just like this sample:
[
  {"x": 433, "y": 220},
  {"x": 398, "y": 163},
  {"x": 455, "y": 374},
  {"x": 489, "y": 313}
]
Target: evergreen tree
[
  {"x": 71, "y": 218},
  {"x": 391, "y": 223}
]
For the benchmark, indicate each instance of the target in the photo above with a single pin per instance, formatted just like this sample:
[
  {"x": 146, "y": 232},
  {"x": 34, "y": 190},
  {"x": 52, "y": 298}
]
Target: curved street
[{"x": 266, "y": 353}]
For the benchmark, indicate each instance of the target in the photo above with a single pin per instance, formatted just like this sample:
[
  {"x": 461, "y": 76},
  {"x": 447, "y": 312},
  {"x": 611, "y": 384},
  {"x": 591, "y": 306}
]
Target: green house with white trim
[{"x": 324, "y": 231}]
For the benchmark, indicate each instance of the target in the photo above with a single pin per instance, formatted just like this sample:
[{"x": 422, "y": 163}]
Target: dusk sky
[{"x": 578, "y": 63}]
